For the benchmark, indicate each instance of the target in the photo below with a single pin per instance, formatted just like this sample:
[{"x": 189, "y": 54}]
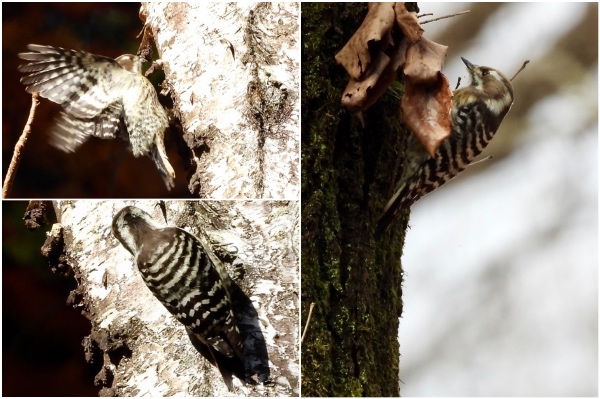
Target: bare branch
[
  {"x": 520, "y": 69},
  {"x": 481, "y": 160},
  {"x": 444, "y": 17},
  {"x": 312, "y": 306},
  {"x": 457, "y": 84},
  {"x": 16, "y": 158}
]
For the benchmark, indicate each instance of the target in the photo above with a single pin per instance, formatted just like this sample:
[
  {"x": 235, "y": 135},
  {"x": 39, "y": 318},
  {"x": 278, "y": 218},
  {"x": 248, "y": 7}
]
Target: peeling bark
[
  {"x": 143, "y": 350},
  {"x": 232, "y": 71}
]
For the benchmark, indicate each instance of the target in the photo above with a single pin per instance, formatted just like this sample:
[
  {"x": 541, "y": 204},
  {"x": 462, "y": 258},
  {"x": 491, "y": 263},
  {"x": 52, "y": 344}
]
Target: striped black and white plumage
[
  {"x": 477, "y": 111},
  {"x": 100, "y": 97},
  {"x": 185, "y": 277}
]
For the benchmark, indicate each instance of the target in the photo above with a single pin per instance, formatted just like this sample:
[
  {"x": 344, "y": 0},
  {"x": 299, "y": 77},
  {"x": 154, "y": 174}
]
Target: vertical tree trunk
[
  {"x": 351, "y": 346},
  {"x": 232, "y": 71}
]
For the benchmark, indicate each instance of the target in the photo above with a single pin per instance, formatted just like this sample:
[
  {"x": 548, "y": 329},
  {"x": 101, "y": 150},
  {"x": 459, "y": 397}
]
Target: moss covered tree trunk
[{"x": 348, "y": 170}]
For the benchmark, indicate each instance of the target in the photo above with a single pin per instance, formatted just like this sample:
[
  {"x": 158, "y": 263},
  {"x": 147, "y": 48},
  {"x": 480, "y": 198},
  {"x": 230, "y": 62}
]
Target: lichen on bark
[{"x": 351, "y": 346}]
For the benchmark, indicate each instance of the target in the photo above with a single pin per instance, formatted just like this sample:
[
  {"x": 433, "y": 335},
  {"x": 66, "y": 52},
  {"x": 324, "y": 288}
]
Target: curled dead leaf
[
  {"x": 362, "y": 94},
  {"x": 424, "y": 61},
  {"x": 408, "y": 23},
  {"x": 390, "y": 37},
  {"x": 356, "y": 94},
  {"x": 355, "y": 57},
  {"x": 427, "y": 111}
]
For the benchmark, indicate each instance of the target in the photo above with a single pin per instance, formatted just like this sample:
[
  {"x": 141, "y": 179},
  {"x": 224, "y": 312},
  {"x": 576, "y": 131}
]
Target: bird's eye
[{"x": 485, "y": 72}]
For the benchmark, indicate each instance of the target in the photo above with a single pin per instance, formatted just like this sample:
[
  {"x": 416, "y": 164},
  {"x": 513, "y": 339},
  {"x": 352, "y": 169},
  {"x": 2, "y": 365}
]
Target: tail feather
[
  {"x": 228, "y": 366},
  {"x": 159, "y": 156},
  {"x": 392, "y": 208}
]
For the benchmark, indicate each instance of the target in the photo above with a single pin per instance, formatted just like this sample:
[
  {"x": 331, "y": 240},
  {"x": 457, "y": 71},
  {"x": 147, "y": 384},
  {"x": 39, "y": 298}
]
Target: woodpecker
[
  {"x": 184, "y": 276},
  {"x": 477, "y": 111},
  {"x": 100, "y": 97}
]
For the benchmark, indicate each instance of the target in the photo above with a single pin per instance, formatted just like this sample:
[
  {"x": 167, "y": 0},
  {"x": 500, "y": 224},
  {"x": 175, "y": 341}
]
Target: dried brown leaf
[
  {"x": 424, "y": 60},
  {"x": 357, "y": 92},
  {"x": 372, "y": 57},
  {"x": 362, "y": 94},
  {"x": 427, "y": 100},
  {"x": 408, "y": 23},
  {"x": 355, "y": 57},
  {"x": 426, "y": 108}
]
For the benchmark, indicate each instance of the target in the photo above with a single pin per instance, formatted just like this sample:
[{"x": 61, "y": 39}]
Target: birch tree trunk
[
  {"x": 142, "y": 348},
  {"x": 351, "y": 346},
  {"x": 232, "y": 71}
]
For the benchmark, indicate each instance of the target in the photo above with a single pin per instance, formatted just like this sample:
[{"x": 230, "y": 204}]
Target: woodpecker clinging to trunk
[
  {"x": 477, "y": 111},
  {"x": 188, "y": 279}
]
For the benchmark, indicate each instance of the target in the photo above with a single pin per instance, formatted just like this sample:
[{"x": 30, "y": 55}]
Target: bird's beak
[{"x": 470, "y": 66}]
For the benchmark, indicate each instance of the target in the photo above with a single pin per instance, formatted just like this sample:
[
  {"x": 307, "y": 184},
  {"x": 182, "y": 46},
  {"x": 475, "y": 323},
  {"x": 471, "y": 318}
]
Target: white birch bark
[{"x": 233, "y": 72}]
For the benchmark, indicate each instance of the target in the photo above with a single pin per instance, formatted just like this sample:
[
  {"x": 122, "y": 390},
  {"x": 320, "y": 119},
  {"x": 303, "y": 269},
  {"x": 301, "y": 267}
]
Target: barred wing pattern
[{"x": 100, "y": 97}]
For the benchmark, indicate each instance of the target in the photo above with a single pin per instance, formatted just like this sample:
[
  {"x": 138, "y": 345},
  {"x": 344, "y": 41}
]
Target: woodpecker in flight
[{"x": 100, "y": 97}]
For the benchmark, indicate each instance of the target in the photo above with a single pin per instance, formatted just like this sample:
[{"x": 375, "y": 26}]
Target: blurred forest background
[
  {"x": 501, "y": 264},
  {"x": 99, "y": 168}
]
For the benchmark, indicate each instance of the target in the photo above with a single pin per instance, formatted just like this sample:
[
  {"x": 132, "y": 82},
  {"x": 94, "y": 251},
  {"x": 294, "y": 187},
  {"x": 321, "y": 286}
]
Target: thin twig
[
  {"x": 481, "y": 160},
  {"x": 444, "y": 17},
  {"x": 312, "y": 305},
  {"x": 16, "y": 158},
  {"x": 520, "y": 69},
  {"x": 424, "y": 15},
  {"x": 457, "y": 84}
]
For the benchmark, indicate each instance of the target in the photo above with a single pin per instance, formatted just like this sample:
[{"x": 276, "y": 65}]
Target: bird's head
[
  {"x": 487, "y": 85},
  {"x": 131, "y": 63}
]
